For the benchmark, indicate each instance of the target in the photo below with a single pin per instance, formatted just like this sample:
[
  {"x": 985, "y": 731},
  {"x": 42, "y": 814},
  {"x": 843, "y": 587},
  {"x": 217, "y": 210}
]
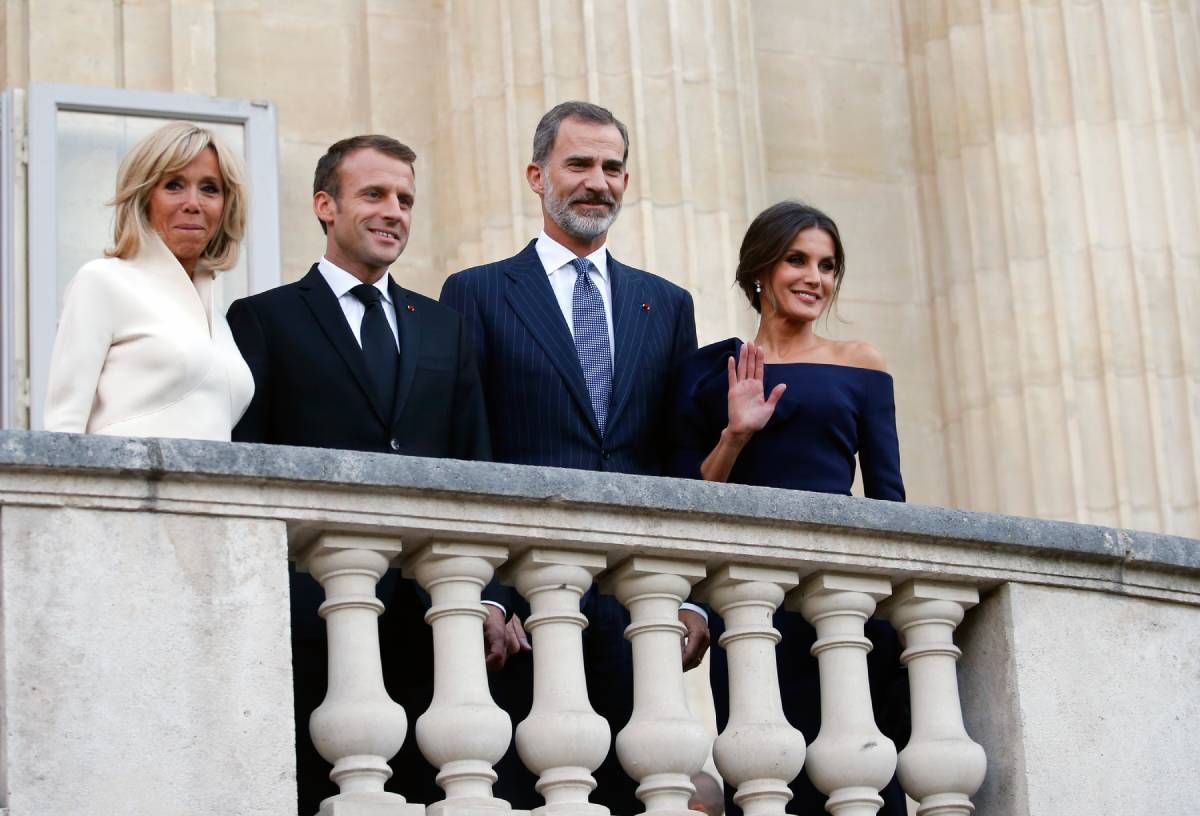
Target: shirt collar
[
  {"x": 554, "y": 256},
  {"x": 341, "y": 281}
]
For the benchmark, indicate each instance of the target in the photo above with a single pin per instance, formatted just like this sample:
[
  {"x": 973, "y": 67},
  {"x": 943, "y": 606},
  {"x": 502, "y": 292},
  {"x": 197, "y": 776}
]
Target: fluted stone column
[
  {"x": 663, "y": 744},
  {"x": 563, "y": 740},
  {"x": 680, "y": 75},
  {"x": 759, "y": 753},
  {"x": 357, "y": 728},
  {"x": 851, "y": 760},
  {"x": 464, "y": 733},
  {"x": 941, "y": 767},
  {"x": 1056, "y": 150}
]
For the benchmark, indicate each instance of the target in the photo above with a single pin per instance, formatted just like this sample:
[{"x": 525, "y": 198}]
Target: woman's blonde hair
[{"x": 164, "y": 152}]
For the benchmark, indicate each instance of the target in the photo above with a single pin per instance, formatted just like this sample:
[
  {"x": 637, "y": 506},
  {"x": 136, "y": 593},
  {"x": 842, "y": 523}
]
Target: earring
[{"x": 757, "y": 288}]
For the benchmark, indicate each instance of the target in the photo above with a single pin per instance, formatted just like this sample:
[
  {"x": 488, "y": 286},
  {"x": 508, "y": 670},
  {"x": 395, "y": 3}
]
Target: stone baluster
[
  {"x": 663, "y": 744},
  {"x": 941, "y": 767},
  {"x": 464, "y": 733},
  {"x": 758, "y": 752},
  {"x": 851, "y": 760},
  {"x": 357, "y": 728},
  {"x": 563, "y": 740}
]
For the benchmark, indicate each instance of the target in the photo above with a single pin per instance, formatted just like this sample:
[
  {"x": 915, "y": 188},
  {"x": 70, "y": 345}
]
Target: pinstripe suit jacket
[{"x": 537, "y": 402}]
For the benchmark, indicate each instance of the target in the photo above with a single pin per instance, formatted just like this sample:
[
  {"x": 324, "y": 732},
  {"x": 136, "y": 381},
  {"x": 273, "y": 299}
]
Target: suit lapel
[
  {"x": 629, "y": 332},
  {"x": 332, "y": 320},
  {"x": 533, "y": 301},
  {"x": 409, "y": 328}
]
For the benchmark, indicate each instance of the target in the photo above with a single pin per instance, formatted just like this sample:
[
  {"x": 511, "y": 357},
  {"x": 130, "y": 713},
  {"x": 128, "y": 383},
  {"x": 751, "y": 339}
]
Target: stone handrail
[{"x": 110, "y": 543}]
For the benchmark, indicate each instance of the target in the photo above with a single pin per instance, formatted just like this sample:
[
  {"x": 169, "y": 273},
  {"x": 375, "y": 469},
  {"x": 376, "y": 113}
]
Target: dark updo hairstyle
[{"x": 769, "y": 237}]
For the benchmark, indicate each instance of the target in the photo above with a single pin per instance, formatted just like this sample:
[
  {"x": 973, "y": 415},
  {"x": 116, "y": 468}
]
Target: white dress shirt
[
  {"x": 556, "y": 260},
  {"x": 341, "y": 282}
]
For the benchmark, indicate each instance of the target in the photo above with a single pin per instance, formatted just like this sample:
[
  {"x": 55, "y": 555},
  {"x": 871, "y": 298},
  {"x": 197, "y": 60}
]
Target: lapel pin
[
  {"x": 645, "y": 307},
  {"x": 412, "y": 308}
]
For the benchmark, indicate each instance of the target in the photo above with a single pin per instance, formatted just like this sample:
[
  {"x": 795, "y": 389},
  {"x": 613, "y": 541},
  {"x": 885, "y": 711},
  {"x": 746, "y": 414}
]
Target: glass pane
[{"x": 90, "y": 149}]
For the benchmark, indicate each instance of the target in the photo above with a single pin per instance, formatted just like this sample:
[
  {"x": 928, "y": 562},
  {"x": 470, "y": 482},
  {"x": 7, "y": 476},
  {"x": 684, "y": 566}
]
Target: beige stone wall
[{"x": 1017, "y": 183}]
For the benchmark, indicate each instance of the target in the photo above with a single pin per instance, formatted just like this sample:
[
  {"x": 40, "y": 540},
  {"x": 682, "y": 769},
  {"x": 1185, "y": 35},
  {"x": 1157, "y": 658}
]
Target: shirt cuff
[
  {"x": 691, "y": 607},
  {"x": 504, "y": 611}
]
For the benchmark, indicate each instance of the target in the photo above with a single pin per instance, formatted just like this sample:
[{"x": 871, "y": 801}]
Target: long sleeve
[
  {"x": 470, "y": 436},
  {"x": 85, "y": 332},
  {"x": 251, "y": 342},
  {"x": 879, "y": 447}
]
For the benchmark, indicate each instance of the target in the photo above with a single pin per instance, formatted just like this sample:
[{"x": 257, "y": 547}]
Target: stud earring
[{"x": 757, "y": 288}]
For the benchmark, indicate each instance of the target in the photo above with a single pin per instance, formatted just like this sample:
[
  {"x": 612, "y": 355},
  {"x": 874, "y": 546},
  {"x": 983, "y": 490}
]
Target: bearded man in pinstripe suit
[{"x": 577, "y": 353}]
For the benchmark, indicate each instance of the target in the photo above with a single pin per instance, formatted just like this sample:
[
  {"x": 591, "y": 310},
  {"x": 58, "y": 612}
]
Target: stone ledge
[{"x": 157, "y": 459}]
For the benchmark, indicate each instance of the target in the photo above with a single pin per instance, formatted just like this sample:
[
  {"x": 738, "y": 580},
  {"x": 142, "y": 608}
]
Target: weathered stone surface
[{"x": 155, "y": 458}]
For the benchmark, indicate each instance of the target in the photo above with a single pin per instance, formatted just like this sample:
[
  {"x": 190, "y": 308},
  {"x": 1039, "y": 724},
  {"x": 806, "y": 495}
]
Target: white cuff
[
  {"x": 691, "y": 607},
  {"x": 504, "y": 611}
]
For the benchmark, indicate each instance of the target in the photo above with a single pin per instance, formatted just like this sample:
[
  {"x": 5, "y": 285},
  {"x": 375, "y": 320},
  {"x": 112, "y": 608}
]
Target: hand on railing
[
  {"x": 502, "y": 640},
  {"x": 695, "y": 641}
]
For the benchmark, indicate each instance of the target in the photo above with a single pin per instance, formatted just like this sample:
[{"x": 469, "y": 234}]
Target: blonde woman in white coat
[{"x": 142, "y": 349}]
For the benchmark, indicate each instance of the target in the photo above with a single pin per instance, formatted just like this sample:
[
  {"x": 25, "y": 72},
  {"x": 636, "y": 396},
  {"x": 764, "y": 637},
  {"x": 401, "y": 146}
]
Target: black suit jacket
[
  {"x": 311, "y": 388},
  {"x": 536, "y": 397},
  {"x": 311, "y": 385}
]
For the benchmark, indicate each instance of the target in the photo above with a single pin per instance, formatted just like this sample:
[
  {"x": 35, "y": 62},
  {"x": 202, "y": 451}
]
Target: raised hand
[{"x": 749, "y": 410}]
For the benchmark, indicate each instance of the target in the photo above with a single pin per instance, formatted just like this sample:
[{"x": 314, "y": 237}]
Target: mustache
[{"x": 594, "y": 199}]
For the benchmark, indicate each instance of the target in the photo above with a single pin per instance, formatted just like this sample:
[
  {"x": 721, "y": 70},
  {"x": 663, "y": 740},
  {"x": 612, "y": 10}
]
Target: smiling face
[
  {"x": 367, "y": 224},
  {"x": 581, "y": 183},
  {"x": 801, "y": 285},
  {"x": 185, "y": 208}
]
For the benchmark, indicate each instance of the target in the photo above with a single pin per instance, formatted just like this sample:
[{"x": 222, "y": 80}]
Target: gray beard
[{"x": 584, "y": 227}]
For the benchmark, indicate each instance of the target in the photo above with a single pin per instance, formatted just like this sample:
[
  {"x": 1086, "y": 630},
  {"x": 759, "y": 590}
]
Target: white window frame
[
  {"x": 45, "y": 101},
  {"x": 8, "y": 308}
]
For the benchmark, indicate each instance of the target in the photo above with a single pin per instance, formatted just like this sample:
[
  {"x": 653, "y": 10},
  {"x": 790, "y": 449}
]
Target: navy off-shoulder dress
[{"x": 827, "y": 415}]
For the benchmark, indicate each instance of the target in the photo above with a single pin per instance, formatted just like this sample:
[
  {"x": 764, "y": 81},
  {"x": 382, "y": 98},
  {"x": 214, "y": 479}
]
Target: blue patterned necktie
[{"x": 591, "y": 339}]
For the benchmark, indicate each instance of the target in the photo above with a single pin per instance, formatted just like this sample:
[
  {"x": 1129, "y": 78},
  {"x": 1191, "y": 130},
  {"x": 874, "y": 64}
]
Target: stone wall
[{"x": 1017, "y": 183}]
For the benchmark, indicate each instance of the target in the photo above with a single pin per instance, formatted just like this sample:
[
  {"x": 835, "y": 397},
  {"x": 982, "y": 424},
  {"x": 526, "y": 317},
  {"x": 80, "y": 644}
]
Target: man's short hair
[
  {"x": 327, "y": 178},
  {"x": 547, "y": 128}
]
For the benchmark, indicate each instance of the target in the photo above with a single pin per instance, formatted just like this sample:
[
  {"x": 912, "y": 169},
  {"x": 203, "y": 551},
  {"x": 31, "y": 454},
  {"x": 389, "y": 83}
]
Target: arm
[
  {"x": 470, "y": 437},
  {"x": 457, "y": 297},
  {"x": 252, "y": 343},
  {"x": 85, "y": 332},
  {"x": 748, "y": 412},
  {"x": 878, "y": 444}
]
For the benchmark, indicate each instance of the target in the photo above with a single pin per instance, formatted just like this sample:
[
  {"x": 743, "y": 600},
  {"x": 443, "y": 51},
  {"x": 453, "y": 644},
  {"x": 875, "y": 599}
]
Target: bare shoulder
[{"x": 859, "y": 354}]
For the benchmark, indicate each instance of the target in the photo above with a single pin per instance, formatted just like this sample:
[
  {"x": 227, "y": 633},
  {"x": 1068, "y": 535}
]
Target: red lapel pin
[
  {"x": 645, "y": 307},
  {"x": 412, "y": 308}
]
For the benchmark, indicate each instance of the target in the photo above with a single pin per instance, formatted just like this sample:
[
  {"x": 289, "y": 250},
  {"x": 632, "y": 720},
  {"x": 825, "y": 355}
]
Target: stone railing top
[{"x": 160, "y": 459}]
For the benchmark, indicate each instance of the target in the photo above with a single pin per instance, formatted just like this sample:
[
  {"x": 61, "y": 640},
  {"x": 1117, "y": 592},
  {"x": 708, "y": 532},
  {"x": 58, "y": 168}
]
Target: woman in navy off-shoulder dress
[{"x": 791, "y": 410}]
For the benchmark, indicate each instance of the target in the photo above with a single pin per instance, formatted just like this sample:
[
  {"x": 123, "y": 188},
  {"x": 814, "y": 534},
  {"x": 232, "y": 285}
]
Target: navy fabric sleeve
[
  {"x": 879, "y": 447},
  {"x": 252, "y": 343},
  {"x": 456, "y": 295},
  {"x": 470, "y": 437}
]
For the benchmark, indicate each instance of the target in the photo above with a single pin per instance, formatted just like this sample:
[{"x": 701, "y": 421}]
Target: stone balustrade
[{"x": 143, "y": 598}]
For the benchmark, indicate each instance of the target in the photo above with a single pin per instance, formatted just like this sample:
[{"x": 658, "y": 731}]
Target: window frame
[
  {"x": 8, "y": 270},
  {"x": 45, "y": 102}
]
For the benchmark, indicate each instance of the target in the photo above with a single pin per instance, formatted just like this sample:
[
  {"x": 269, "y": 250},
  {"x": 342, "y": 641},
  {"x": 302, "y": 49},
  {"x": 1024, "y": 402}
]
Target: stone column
[
  {"x": 759, "y": 753},
  {"x": 464, "y": 733},
  {"x": 563, "y": 740},
  {"x": 1056, "y": 150},
  {"x": 851, "y": 760},
  {"x": 357, "y": 728},
  {"x": 680, "y": 75},
  {"x": 941, "y": 767},
  {"x": 663, "y": 744}
]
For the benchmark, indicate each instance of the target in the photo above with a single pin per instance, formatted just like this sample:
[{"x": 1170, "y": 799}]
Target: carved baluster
[
  {"x": 563, "y": 740},
  {"x": 663, "y": 744},
  {"x": 464, "y": 733},
  {"x": 758, "y": 752},
  {"x": 357, "y": 728},
  {"x": 941, "y": 767},
  {"x": 851, "y": 760}
]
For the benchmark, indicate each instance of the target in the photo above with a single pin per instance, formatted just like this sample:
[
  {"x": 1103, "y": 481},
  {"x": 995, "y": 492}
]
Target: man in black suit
[
  {"x": 345, "y": 358},
  {"x": 577, "y": 353}
]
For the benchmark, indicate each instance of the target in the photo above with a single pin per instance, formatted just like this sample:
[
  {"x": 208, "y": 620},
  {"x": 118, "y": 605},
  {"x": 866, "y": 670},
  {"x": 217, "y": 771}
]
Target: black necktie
[{"x": 378, "y": 345}]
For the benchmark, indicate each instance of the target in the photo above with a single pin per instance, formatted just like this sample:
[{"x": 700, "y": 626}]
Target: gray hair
[{"x": 547, "y": 129}]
